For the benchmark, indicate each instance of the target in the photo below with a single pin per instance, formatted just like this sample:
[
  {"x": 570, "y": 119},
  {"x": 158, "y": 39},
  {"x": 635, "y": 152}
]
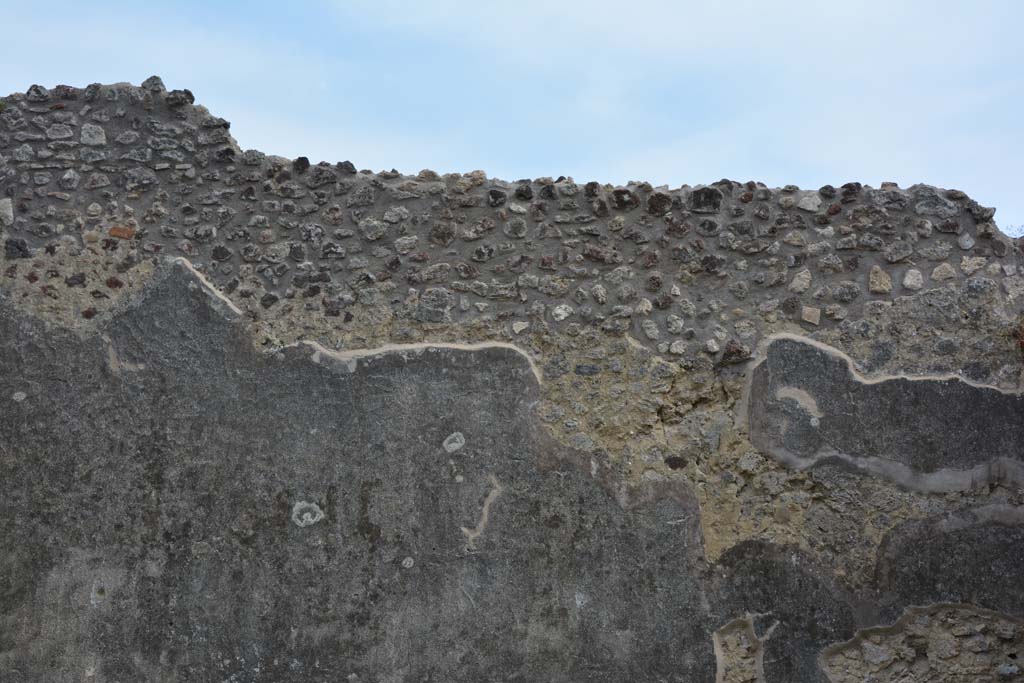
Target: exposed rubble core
[
  {"x": 490, "y": 430},
  {"x": 943, "y": 643}
]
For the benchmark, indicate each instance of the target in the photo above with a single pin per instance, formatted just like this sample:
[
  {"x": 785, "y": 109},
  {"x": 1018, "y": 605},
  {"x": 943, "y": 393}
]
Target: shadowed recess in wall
[{"x": 806, "y": 403}]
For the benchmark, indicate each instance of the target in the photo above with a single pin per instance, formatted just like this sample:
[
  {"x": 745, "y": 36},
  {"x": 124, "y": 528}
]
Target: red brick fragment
[{"x": 122, "y": 232}]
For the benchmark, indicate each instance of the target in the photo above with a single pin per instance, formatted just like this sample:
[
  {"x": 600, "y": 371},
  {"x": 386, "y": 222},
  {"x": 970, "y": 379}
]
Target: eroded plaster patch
[{"x": 306, "y": 514}]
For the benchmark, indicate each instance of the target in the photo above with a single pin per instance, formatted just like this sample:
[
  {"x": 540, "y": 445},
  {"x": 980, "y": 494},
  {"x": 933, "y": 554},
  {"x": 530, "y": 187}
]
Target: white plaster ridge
[
  {"x": 857, "y": 375},
  {"x": 485, "y": 514},
  {"x": 351, "y": 357},
  {"x": 185, "y": 264}
]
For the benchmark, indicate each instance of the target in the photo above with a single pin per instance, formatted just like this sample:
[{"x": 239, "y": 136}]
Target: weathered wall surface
[{"x": 268, "y": 420}]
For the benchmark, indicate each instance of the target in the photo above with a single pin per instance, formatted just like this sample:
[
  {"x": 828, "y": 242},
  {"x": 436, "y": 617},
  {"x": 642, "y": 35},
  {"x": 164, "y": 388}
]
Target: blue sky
[{"x": 670, "y": 92}]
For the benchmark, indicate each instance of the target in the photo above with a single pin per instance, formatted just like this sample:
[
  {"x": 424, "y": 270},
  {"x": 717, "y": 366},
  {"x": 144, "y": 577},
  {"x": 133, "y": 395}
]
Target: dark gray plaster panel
[
  {"x": 974, "y": 557},
  {"x": 806, "y": 402},
  {"x": 182, "y": 507},
  {"x": 799, "y": 607}
]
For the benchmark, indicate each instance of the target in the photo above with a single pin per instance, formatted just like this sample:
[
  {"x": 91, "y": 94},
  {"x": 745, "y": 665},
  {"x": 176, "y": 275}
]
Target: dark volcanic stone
[
  {"x": 76, "y": 280},
  {"x": 524, "y": 192},
  {"x": 706, "y": 200},
  {"x": 496, "y": 198},
  {"x": 179, "y": 98},
  {"x": 659, "y": 203},
  {"x": 16, "y": 248},
  {"x": 625, "y": 200}
]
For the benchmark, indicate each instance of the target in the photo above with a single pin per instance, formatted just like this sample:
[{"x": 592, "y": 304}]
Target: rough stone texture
[
  {"x": 380, "y": 427},
  {"x": 942, "y": 643},
  {"x": 740, "y": 651}
]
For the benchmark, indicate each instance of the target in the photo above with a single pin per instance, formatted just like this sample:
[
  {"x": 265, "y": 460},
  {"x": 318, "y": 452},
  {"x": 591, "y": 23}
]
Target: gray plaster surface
[
  {"x": 216, "y": 512},
  {"x": 806, "y": 403}
]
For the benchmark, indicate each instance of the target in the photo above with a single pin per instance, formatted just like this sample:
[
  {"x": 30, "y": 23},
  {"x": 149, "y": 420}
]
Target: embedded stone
[
  {"x": 122, "y": 232},
  {"x": 435, "y": 305},
  {"x": 496, "y": 198},
  {"x": 879, "y": 281},
  {"x": 59, "y": 131},
  {"x": 795, "y": 239},
  {"x": 800, "y": 282},
  {"x": 943, "y": 272},
  {"x": 15, "y": 248},
  {"x": 846, "y": 291},
  {"x": 396, "y": 214},
  {"x": 898, "y": 251},
  {"x": 624, "y": 199},
  {"x": 454, "y": 442},
  {"x": 811, "y": 314},
  {"x": 153, "y": 84},
  {"x": 139, "y": 179},
  {"x": 93, "y": 135},
  {"x": 372, "y": 229},
  {"x": 809, "y": 404},
  {"x": 913, "y": 279},
  {"x": 37, "y": 93},
  {"x": 930, "y": 203},
  {"x": 659, "y": 203},
  {"x": 735, "y": 352},
  {"x": 561, "y": 312},
  {"x": 972, "y": 264},
  {"x": 706, "y": 200},
  {"x": 809, "y": 202}
]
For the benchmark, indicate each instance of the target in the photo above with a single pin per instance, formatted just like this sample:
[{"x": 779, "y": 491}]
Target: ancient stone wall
[{"x": 265, "y": 419}]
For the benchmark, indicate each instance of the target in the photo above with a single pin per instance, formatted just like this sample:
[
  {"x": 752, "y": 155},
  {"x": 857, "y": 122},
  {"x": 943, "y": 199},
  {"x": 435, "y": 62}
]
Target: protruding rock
[
  {"x": 37, "y": 93},
  {"x": 913, "y": 280},
  {"x": 15, "y": 248},
  {"x": 659, "y": 203},
  {"x": 800, "y": 282},
  {"x": 879, "y": 281},
  {"x": 153, "y": 84},
  {"x": 706, "y": 200}
]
